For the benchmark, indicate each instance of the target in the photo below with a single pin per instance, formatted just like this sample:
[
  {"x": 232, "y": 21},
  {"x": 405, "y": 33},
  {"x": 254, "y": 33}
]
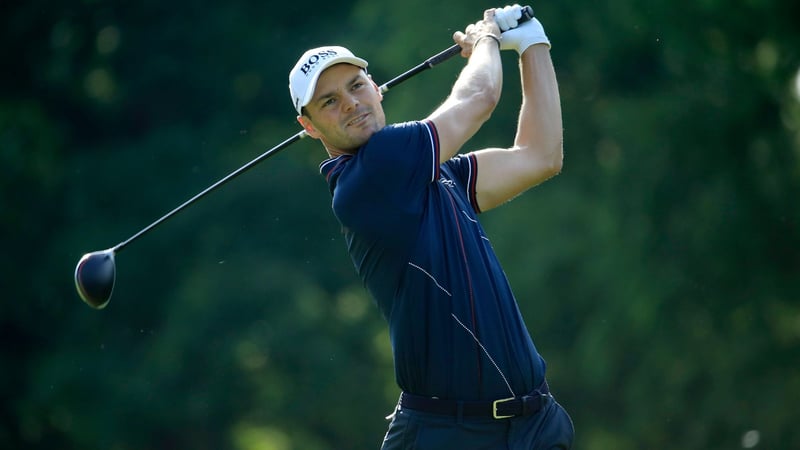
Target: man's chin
[{"x": 362, "y": 138}]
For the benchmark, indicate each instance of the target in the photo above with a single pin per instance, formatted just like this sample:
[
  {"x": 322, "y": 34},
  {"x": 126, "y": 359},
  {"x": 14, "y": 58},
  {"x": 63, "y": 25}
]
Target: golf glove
[
  {"x": 508, "y": 17},
  {"x": 515, "y": 35}
]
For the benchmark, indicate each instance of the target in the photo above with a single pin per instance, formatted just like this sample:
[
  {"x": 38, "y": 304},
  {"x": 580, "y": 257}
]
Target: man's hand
[
  {"x": 474, "y": 32},
  {"x": 508, "y": 16},
  {"x": 518, "y": 36}
]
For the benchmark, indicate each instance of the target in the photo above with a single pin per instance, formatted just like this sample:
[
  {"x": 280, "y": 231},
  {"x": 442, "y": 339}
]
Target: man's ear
[
  {"x": 308, "y": 126},
  {"x": 375, "y": 86}
]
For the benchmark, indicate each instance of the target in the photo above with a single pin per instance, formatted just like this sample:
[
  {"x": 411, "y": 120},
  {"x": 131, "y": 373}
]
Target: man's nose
[{"x": 349, "y": 102}]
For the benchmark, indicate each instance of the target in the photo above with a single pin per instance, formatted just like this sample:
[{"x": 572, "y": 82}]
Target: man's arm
[
  {"x": 537, "y": 153},
  {"x": 476, "y": 92}
]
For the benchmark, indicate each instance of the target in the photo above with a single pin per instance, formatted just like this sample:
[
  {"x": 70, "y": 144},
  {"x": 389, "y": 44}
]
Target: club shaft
[
  {"x": 438, "y": 58},
  {"x": 297, "y": 136},
  {"x": 434, "y": 60}
]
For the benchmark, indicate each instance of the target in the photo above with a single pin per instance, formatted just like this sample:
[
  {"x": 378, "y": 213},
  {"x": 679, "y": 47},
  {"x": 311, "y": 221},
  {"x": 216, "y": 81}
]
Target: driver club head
[{"x": 94, "y": 278}]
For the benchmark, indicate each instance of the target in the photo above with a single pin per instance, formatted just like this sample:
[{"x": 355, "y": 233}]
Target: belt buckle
[{"x": 494, "y": 408}]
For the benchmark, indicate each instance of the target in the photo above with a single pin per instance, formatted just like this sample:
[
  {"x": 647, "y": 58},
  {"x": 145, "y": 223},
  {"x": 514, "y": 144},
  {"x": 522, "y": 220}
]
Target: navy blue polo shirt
[{"x": 411, "y": 229}]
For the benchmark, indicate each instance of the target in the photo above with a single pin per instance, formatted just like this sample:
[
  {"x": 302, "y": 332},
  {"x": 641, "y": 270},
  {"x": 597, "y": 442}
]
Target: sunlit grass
[{"x": 250, "y": 437}]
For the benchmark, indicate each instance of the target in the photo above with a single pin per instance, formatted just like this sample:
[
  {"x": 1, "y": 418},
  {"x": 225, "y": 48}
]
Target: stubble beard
[{"x": 355, "y": 136}]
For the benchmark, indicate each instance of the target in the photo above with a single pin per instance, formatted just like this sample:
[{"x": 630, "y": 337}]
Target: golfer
[{"x": 408, "y": 204}]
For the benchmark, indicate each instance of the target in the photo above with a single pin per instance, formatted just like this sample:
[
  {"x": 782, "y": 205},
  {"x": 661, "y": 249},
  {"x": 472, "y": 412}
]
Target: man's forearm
[
  {"x": 472, "y": 100},
  {"x": 540, "y": 125},
  {"x": 483, "y": 74}
]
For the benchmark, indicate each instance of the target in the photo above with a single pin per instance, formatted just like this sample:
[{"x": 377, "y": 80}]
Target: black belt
[{"x": 503, "y": 408}]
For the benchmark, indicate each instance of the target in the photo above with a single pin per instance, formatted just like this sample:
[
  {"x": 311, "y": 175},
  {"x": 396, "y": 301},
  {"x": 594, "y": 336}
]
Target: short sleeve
[{"x": 463, "y": 169}]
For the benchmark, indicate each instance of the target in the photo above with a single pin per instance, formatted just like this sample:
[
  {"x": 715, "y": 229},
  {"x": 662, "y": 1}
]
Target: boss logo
[{"x": 314, "y": 59}]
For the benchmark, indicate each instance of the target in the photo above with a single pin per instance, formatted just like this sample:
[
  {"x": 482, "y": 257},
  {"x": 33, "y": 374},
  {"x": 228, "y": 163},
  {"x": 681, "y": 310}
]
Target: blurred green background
[{"x": 659, "y": 273}]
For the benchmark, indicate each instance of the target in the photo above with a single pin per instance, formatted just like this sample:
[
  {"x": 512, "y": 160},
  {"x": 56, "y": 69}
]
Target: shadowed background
[{"x": 659, "y": 274}]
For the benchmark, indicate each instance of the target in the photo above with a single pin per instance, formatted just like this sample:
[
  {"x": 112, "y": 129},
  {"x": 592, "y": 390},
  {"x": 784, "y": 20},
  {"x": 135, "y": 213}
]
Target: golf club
[{"x": 95, "y": 272}]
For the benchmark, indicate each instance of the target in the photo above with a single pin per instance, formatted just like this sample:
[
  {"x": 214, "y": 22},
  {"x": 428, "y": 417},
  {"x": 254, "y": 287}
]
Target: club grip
[{"x": 527, "y": 14}]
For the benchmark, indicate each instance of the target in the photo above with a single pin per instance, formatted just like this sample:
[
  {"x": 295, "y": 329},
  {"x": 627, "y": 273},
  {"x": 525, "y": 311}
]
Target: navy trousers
[{"x": 550, "y": 428}]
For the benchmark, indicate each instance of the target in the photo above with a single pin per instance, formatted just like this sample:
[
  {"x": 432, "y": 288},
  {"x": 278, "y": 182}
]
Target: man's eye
[{"x": 328, "y": 102}]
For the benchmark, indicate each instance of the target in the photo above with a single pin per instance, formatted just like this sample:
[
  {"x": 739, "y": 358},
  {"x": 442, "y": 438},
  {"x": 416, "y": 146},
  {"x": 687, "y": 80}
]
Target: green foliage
[{"x": 658, "y": 273}]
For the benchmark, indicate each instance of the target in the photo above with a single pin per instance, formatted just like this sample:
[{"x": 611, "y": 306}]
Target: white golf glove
[
  {"x": 508, "y": 17},
  {"x": 515, "y": 35}
]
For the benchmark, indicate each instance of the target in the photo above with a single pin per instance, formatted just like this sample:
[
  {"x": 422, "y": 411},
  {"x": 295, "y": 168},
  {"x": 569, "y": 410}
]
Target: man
[{"x": 468, "y": 369}]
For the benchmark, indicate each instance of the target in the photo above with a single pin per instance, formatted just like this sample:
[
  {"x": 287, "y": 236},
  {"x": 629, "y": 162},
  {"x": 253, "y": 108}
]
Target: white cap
[{"x": 303, "y": 77}]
